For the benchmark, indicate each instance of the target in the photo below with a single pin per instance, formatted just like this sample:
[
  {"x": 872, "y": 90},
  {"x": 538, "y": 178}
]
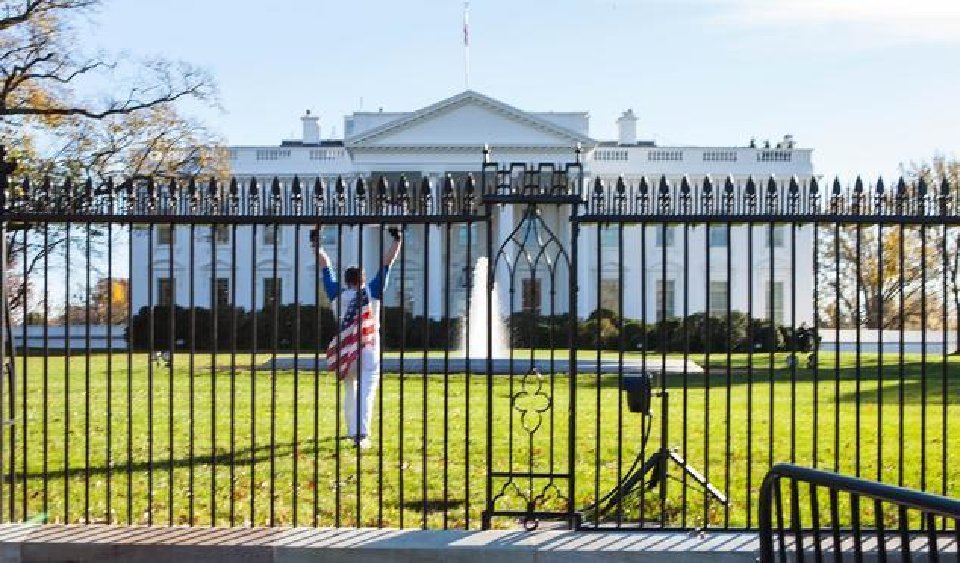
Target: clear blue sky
[{"x": 868, "y": 84}]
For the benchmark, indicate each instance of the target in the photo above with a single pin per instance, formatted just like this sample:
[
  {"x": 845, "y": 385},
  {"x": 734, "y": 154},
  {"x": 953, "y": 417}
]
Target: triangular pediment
[{"x": 469, "y": 119}]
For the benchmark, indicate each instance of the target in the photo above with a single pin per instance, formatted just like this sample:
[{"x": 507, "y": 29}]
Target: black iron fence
[
  {"x": 837, "y": 517},
  {"x": 611, "y": 354}
]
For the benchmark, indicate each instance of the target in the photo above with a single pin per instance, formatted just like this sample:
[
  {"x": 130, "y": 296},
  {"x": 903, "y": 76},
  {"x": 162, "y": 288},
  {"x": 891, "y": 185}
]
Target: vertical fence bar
[
  {"x": 923, "y": 356},
  {"x": 901, "y": 379},
  {"x": 253, "y": 367},
  {"x": 234, "y": 337},
  {"x": 109, "y": 516},
  {"x": 728, "y": 383},
  {"x": 66, "y": 380},
  {"x": 214, "y": 350},
  {"x": 751, "y": 344},
  {"x": 815, "y": 449},
  {"x": 4, "y": 331},
  {"x": 468, "y": 376},
  {"x": 130, "y": 346},
  {"x": 772, "y": 319},
  {"x": 686, "y": 356},
  {"x": 426, "y": 359},
  {"x": 596, "y": 467},
  {"x": 151, "y": 339},
  {"x": 446, "y": 377},
  {"x": 192, "y": 437},
  {"x": 707, "y": 347},
  {"x": 171, "y": 353},
  {"x": 316, "y": 367},
  {"x": 836, "y": 353},
  {"x": 857, "y": 321},
  {"x": 46, "y": 383},
  {"x": 297, "y": 343},
  {"x": 25, "y": 352},
  {"x": 880, "y": 323},
  {"x": 275, "y": 301}
]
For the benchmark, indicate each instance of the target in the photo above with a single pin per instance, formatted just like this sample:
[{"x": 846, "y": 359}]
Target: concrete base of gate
[
  {"x": 414, "y": 364},
  {"x": 21, "y": 543},
  {"x": 29, "y": 544}
]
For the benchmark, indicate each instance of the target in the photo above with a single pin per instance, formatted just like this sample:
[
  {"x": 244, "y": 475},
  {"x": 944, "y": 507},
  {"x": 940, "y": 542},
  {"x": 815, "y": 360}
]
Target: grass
[{"x": 112, "y": 441}]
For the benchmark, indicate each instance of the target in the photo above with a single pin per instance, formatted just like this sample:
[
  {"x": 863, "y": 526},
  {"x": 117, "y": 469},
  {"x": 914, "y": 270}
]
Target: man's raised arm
[{"x": 391, "y": 255}]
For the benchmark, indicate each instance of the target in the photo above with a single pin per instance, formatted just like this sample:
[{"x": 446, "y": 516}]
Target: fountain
[{"x": 474, "y": 344}]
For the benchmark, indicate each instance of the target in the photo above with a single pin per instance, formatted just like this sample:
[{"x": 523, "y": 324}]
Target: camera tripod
[{"x": 656, "y": 465}]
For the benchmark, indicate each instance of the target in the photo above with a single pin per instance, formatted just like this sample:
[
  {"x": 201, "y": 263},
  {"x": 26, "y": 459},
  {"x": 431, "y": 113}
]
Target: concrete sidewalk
[{"x": 76, "y": 543}]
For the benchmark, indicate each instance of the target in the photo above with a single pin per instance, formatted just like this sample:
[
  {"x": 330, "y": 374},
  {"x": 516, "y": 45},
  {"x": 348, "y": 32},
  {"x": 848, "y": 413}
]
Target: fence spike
[
  {"x": 360, "y": 188},
  {"x": 382, "y": 188},
  {"x": 644, "y": 188},
  {"x": 707, "y": 186}
]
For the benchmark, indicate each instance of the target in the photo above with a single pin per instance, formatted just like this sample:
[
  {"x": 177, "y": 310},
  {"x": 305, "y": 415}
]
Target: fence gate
[{"x": 531, "y": 372}]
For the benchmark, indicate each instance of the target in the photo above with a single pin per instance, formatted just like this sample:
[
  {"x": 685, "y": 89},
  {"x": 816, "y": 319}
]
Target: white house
[{"x": 448, "y": 136}]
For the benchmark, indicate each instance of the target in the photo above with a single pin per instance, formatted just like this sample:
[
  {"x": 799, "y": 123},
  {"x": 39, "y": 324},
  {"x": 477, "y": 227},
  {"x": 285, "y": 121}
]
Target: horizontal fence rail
[
  {"x": 630, "y": 354},
  {"x": 827, "y": 513}
]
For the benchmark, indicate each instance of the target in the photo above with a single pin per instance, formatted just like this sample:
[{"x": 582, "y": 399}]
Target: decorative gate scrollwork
[{"x": 531, "y": 388}]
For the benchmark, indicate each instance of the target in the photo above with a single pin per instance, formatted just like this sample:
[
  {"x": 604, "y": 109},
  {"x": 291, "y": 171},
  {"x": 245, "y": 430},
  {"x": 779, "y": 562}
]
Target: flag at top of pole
[{"x": 466, "y": 45}]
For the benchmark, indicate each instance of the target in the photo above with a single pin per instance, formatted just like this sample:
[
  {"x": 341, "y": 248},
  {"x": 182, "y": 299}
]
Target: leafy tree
[{"x": 56, "y": 124}]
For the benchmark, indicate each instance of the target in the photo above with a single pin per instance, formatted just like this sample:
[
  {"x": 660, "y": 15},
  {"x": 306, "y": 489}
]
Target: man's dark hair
[{"x": 352, "y": 275}]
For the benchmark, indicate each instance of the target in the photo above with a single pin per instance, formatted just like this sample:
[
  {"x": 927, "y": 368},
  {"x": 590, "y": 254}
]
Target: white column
[
  {"x": 435, "y": 273},
  {"x": 584, "y": 256}
]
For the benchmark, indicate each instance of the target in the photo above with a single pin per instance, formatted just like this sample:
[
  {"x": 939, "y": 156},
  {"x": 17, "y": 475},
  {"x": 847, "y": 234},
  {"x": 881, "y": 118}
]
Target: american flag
[{"x": 356, "y": 331}]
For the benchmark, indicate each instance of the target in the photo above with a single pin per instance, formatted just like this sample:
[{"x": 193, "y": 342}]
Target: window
[
  {"x": 774, "y": 309},
  {"x": 610, "y": 237},
  {"x": 221, "y": 291},
  {"x": 661, "y": 231},
  {"x": 775, "y": 237},
  {"x": 462, "y": 235},
  {"x": 165, "y": 234},
  {"x": 619, "y": 155},
  {"x": 718, "y": 236},
  {"x": 273, "y": 154},
  {"x": 233, "y": 154},
  {"x": 720, "y": 156},
  {"x": 328, "y": 236},
  {"x": 222, "y": 234},
  {"x": 272, "y": 235},
  {"x": 658, "y": 156},
  {"x": 610, "y": 295},
  {"x": 164, "y": 291},
  {"x": 718, "y": 299},
  {"x": 774, "y": 156},
  {"x": 665, "y": 299},
  {"x": 324, "y": 154},
  {"x": 272, "y": 292},
  {"x": 531, "y": 295}
]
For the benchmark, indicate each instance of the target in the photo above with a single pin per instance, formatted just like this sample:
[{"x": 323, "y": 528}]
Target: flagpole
[{"x": 466, "y": 45}]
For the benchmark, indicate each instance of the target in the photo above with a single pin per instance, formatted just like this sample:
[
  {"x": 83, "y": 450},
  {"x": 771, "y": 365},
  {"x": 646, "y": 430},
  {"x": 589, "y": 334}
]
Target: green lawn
[{"x": 245, "y": 426}]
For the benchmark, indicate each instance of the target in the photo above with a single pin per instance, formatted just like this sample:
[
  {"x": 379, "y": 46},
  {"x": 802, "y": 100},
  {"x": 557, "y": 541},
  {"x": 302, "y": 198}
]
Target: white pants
[{"x": 365, "y": 388}]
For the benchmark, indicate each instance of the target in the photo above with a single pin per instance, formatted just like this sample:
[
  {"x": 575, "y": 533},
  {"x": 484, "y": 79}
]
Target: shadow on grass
[
  {"x": 241, "y": 458},
  {"x": 913, "y": 374}
]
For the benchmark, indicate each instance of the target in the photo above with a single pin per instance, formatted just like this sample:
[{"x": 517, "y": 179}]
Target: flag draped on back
[{"x": 356, "y": 331}]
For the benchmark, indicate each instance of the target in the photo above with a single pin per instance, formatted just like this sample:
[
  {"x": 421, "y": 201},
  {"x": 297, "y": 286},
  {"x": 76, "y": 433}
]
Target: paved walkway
[
  {"x": 28, "y": 544},
  {"x": 20, "y": 543}
]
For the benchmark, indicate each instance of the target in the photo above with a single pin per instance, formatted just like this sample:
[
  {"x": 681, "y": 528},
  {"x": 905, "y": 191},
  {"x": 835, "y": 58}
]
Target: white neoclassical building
[{"x": 448, "y": 137}]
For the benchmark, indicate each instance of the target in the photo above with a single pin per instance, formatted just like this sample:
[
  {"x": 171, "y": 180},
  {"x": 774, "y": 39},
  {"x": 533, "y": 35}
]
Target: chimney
[
  {"x": 627, "y": 125},
  {"x": 311, "y": 128}
]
